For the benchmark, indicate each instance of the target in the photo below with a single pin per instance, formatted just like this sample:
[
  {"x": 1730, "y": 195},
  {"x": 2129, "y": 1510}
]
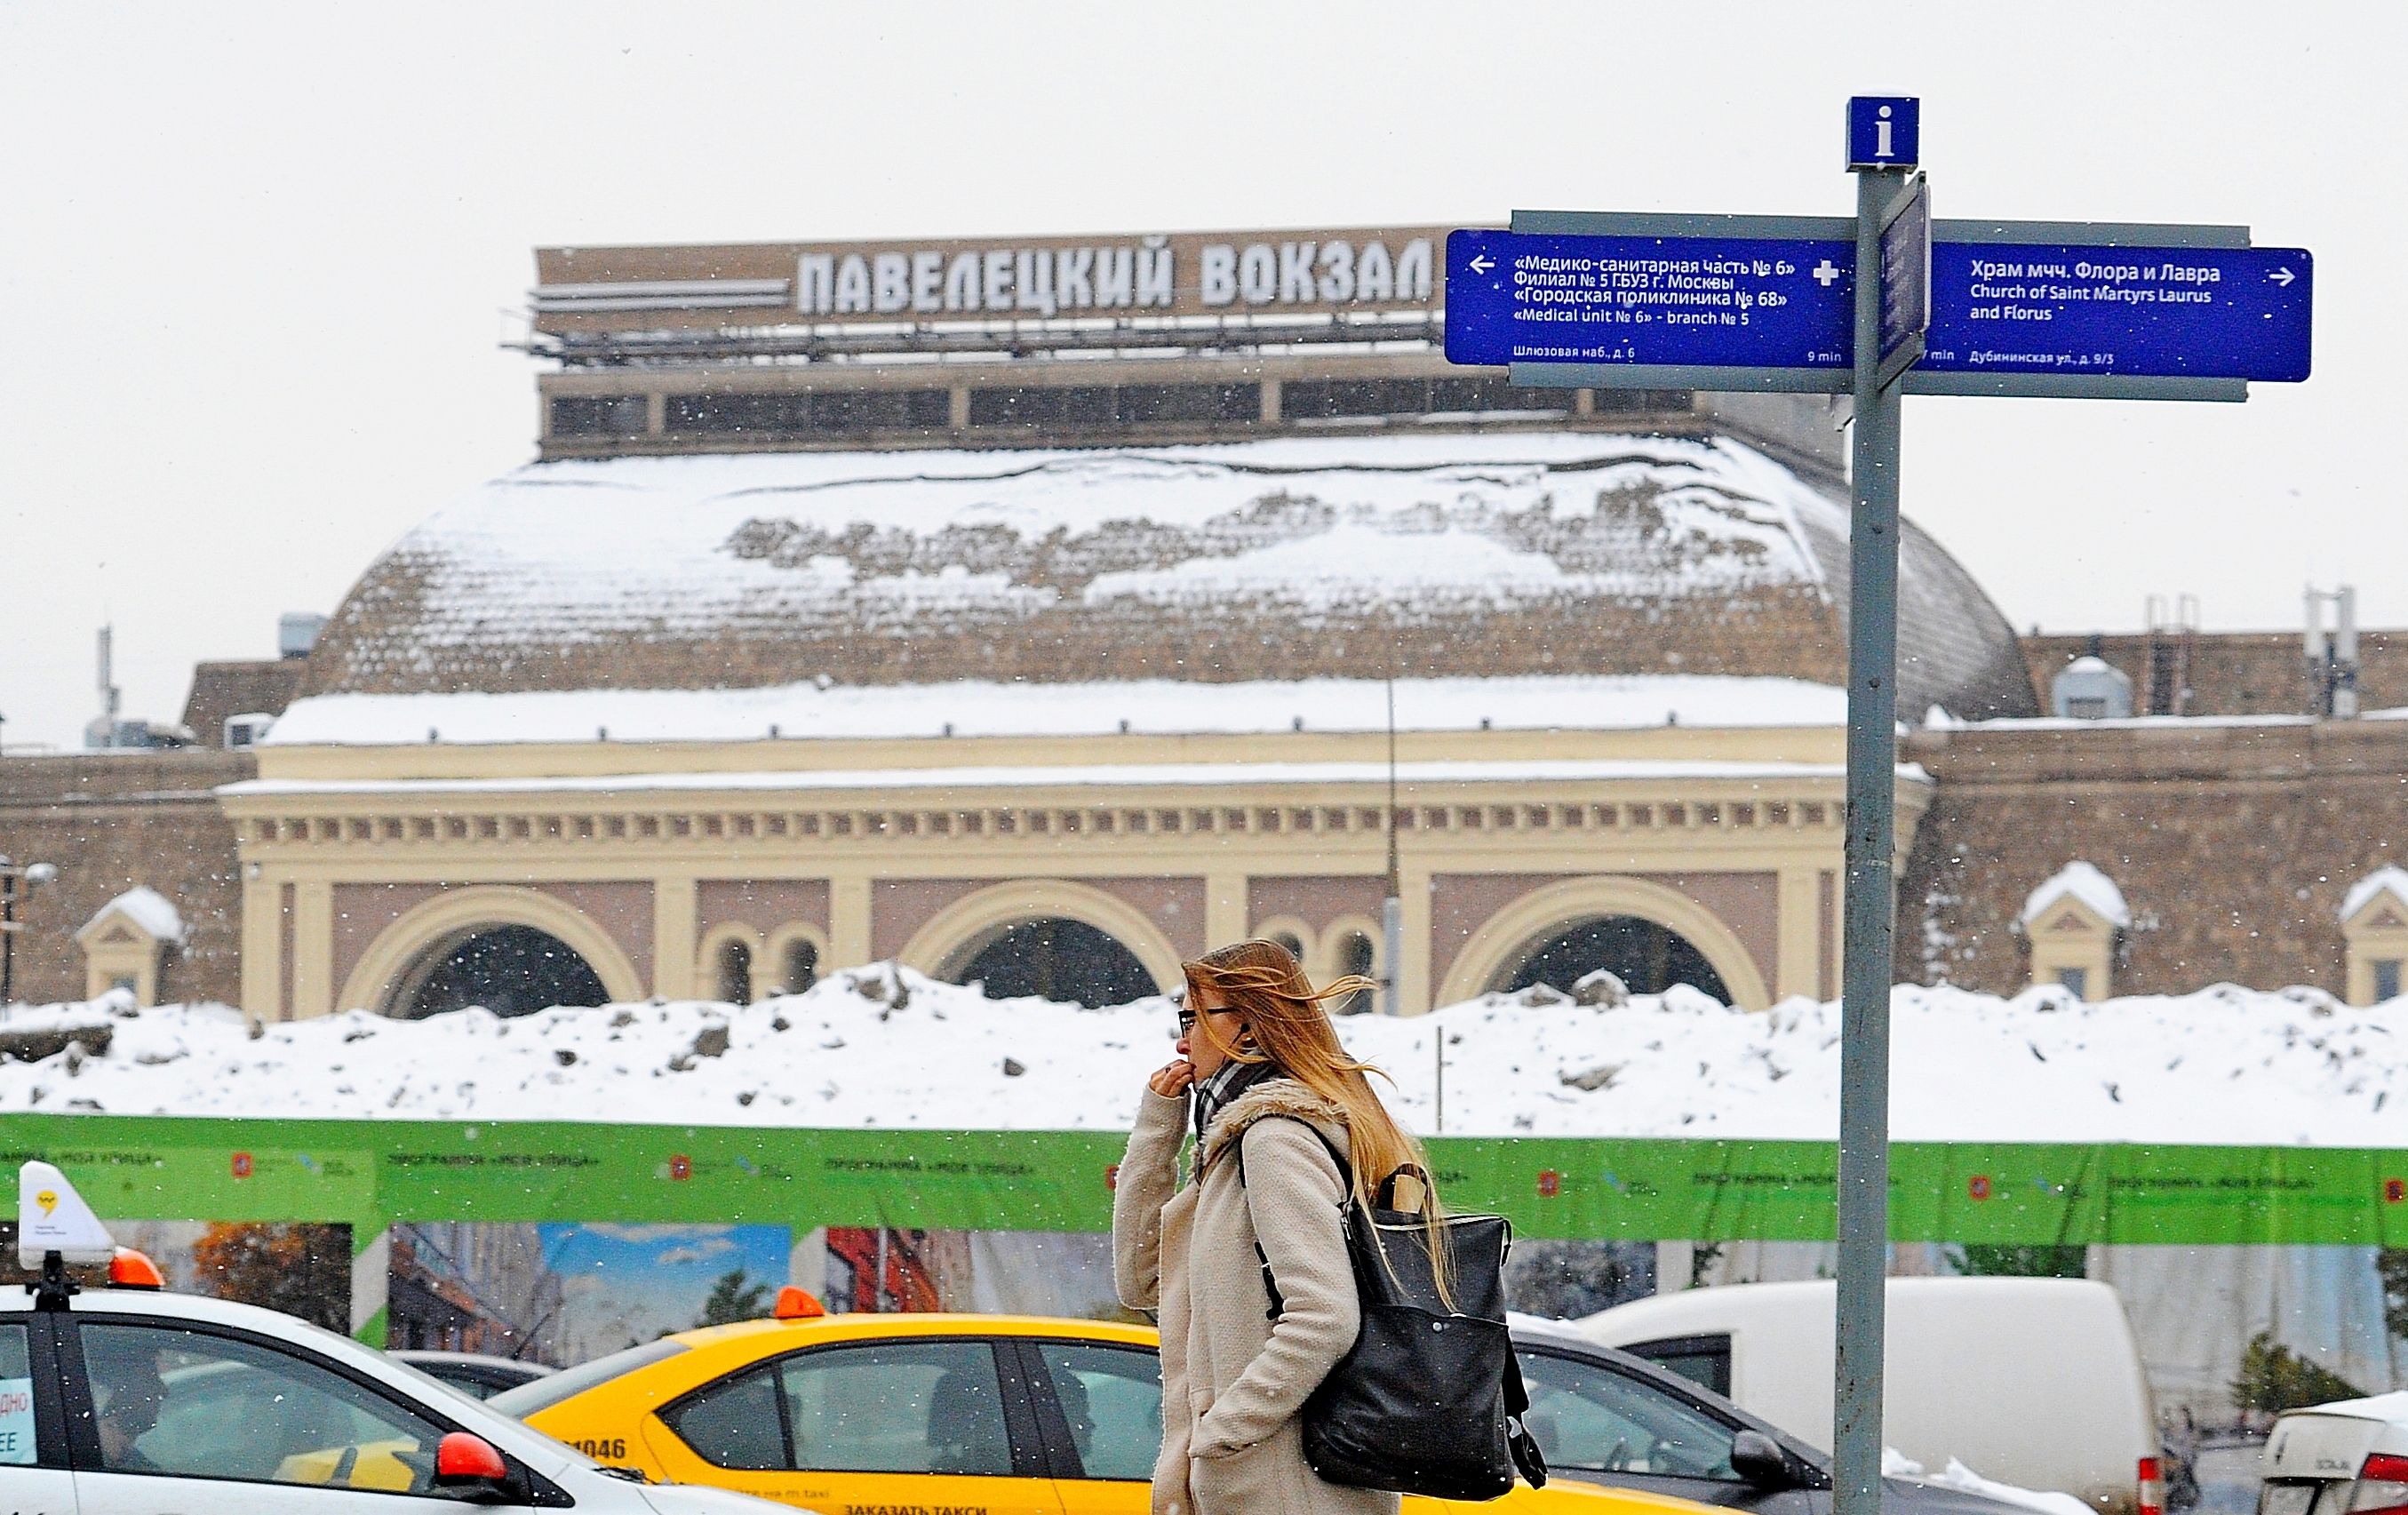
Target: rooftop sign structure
[{"x": 1322, "y": 273}]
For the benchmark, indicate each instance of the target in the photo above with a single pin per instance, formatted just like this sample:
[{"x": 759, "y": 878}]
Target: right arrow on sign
[{"x": 2283, "y": 277}]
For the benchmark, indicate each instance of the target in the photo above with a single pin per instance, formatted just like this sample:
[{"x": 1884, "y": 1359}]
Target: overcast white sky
[{"x": 255, "y": 261}]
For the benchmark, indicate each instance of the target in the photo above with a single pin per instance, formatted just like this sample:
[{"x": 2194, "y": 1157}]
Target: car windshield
[{"x": 542, "y": 1393}]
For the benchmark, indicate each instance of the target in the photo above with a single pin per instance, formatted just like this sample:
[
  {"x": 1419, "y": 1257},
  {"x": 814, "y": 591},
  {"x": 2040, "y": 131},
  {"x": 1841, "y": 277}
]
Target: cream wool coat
[{"x": 1233, "y": 1382}]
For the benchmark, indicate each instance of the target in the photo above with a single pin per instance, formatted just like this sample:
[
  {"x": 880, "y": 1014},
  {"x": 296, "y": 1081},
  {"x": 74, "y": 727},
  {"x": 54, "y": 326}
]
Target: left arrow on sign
[{"x": 1482, "y": 263}]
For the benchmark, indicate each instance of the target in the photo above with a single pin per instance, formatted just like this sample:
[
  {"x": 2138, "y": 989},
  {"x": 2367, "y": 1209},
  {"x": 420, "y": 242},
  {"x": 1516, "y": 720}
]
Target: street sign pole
[
  {"x": 1868, "y": 912},
  {"x": 1892, "y": 304}
]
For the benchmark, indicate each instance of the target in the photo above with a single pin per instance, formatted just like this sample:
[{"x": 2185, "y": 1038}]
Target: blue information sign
[
  {"x": 2163, "y": 312},
  {"x": 1883, "y": 130},
  {"x": 1710, "y": 301},
  {"x": 1783, "y": 303}
]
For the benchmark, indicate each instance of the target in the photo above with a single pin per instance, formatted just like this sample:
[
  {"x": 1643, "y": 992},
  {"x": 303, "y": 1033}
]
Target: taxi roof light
[
  {"x": 131, "y": 1269},
  {"x": 795, "y": 1303}
]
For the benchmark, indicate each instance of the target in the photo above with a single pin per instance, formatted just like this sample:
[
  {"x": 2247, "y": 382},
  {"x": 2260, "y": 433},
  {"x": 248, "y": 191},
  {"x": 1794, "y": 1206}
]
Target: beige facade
[
  {"x": 122, "y": 949},
  {"x": 364, "y": 867},
  {"x": 2376, "y": 937},
  {"x": 2074, "y": 946}
]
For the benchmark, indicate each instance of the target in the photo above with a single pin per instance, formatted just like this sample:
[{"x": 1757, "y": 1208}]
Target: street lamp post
[{"x": 11, "y": 873}]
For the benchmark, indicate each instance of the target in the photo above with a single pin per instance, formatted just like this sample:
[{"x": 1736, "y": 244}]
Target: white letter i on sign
[{"x": 1880, "y": 134}]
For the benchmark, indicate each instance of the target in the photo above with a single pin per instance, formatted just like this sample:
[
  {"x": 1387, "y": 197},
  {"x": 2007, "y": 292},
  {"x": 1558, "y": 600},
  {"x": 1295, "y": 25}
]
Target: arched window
[
  {"x": 1058, "y": 959},
  {"x": 1647, "y": 957},
  {"x": 736, "y": 973},
  {"x": 1288, "y": 940},
  {"x": 801, "y": 967},
  {"x": 1357, "y": 954},
  {"x": 510, "y": 970}
]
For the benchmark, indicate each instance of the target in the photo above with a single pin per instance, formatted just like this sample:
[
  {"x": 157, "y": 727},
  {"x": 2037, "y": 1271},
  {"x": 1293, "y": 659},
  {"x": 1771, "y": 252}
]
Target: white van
[{"x": 2027, "y": 1381}]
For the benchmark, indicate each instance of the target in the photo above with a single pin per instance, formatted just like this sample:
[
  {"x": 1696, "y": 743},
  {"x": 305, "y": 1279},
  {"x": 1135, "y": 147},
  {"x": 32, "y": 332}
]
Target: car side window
[
  {"x": 1587, "y": 1417},
  {"x": 1113, "y": 1398},
  {"x": 1704, "y": 1360},
  {"x": 897, "y": 1407},
  {"x": 16, "y": 1398},
  {"x": 734, "y": 1423},
  {"x": 190, "y": 1403}
]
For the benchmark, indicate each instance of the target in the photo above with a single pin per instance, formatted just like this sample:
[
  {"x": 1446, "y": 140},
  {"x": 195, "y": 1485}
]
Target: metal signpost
[
  {"x": 1867, "y": 902},
  {"x": 1582, "y": 300}
]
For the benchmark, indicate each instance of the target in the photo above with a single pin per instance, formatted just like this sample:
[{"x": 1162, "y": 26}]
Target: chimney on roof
[
  {"x": 2332, "y": 655},
  {"x": 111, "y": 697}
]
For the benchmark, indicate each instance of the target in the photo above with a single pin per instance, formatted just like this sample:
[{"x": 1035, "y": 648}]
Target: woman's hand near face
[{"x": 1172, "y": 1077}]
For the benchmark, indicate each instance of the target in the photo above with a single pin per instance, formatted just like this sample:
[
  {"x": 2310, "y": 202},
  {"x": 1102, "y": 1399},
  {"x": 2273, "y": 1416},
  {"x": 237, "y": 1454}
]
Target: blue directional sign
[
  {"x": 2170, "y": 312},
  {"x": 1649, "y": 301},
  {"x": 1885, "y": 131},
  {"x": 1787, "y": 304}
]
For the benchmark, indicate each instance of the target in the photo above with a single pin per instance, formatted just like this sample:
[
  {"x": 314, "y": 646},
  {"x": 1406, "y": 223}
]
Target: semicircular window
[
  {"x": 1058, "y": 959},
  {"x": 510, "y": 970},
  {"x": 1647, "y": 957}
]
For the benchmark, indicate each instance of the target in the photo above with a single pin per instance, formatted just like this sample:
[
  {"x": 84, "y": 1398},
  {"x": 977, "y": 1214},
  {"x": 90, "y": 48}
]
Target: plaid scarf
[{"x": 1221, "y": 1091}]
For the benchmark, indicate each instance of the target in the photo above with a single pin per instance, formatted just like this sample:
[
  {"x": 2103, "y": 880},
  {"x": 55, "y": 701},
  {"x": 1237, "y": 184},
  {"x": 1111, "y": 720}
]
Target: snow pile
[
  {"x": 1897, "y": 1464},
  {"x": 2081, "y": 881},
  {"x": 885, "y": 1046}
]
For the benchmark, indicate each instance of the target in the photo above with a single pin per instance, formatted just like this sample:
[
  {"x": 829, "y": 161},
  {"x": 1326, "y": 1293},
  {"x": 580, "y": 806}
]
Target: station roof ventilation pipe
[
  {"x": 2332, "y": 655},
  {"x": 2090, "y": 688},
  {"x": 296, "y": 633}
]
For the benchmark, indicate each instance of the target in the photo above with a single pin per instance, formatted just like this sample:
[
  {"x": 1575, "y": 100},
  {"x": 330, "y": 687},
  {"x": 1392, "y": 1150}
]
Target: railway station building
[{"x": 1040, "y": 611}]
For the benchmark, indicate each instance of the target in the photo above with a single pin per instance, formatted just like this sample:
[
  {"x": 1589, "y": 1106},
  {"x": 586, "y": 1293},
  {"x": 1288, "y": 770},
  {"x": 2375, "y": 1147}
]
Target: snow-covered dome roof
[{"x": 1418, "y": 556}]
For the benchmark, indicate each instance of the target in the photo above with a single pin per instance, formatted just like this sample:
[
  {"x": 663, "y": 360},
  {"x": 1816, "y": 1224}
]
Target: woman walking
[{"x": 1261, "y": 1064}]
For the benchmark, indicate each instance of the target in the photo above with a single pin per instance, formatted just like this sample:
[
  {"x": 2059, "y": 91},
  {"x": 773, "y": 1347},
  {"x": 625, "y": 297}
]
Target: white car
[
  {"x": 2349, "y": 1458},
  {"x": 2034, "y": 1382},
  {"x": 133, "y": 1401}
]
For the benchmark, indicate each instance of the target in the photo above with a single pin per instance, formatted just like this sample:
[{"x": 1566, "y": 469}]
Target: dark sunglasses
[{"x": 1186, "y": 1022}]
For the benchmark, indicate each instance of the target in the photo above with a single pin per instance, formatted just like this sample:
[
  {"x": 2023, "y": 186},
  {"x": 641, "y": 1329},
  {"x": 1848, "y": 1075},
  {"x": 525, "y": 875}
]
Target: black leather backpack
[{"x": 1429, "y": 1399}]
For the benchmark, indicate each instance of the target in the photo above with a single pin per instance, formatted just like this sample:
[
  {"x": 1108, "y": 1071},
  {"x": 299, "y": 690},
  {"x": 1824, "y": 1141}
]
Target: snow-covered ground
[{"x": 885, "y": 1046}]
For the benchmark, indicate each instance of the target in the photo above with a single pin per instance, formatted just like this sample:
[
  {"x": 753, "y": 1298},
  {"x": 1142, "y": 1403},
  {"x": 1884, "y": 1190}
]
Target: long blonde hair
[{"x": 1287, "y": 1025}]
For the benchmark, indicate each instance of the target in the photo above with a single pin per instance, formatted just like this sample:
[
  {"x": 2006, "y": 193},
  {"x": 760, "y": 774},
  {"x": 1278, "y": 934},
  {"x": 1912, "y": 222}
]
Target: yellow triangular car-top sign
[{"x": 53, "y": 1218}]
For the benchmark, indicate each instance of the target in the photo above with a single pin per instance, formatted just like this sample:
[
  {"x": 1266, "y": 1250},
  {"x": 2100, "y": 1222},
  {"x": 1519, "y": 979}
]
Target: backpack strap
[
  {"x": 1385, "y": 1198},
  {"x": 1345, "y": 1184},
  {"x": 1518, "y": 1439}
]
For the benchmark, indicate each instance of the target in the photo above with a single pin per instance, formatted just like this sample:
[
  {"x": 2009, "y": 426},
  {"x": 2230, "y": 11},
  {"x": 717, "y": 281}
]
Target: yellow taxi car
[{"x": 997, "y": 1414}]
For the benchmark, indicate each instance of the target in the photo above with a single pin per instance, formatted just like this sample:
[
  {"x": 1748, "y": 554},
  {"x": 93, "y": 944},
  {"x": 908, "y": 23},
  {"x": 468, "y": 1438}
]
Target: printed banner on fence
[{"x": 381, "y": 1172}]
